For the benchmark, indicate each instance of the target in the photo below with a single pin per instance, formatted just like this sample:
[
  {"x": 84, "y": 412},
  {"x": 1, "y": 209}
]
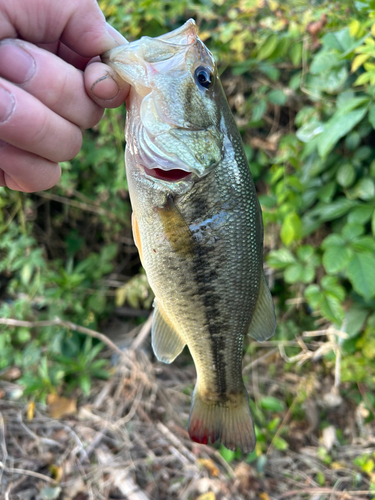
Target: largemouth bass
[{"x": 197, "y": 224}]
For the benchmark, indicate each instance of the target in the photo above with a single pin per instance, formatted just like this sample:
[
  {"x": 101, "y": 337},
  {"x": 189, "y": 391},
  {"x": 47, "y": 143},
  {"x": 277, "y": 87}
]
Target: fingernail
[
  {"x": 7, "y": 104},
  {"x": 16, "y": 65},
  {"x": 105, "y": 88},
  {"x": 118, "y": 38}
]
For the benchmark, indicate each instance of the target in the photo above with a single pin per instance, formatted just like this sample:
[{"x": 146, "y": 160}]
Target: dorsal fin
[{"x": 263, "y": 322}]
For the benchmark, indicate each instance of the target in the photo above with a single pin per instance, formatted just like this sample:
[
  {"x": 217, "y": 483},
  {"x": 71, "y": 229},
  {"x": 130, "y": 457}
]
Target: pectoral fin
[
  {"x": 166, "y": 341},
  {"x": 263, "y": 322},
  {"x": 136, "y": 235}
]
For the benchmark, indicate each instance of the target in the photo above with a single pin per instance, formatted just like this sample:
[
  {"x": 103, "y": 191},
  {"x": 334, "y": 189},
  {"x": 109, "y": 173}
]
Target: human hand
[{"x": 45, "y": 97}]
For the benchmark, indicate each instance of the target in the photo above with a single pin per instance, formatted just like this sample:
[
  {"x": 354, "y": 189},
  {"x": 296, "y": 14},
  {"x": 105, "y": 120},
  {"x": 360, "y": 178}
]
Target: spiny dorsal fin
[
  {"x": 263, "y": 322},
  {"x": 166, "y": 342}
]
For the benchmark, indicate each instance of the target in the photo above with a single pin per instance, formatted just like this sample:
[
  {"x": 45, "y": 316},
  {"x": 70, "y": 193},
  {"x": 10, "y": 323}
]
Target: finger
[
  {"x": 65, "y": 53},
  {"x": 28, "y": 124},
  {"x": 103, "y": 85},
  {"x": 55, "y": 83},
  {"x": 79, "y": 24},
  {"x": 23, "y": 171}
]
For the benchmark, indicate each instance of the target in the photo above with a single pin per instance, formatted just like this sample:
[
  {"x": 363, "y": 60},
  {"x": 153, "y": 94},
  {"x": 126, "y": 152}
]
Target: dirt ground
[{"x": 128, "y": 439}]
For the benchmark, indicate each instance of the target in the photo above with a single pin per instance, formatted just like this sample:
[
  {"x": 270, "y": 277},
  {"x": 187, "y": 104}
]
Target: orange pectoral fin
[{"x": 136, "y": 235}]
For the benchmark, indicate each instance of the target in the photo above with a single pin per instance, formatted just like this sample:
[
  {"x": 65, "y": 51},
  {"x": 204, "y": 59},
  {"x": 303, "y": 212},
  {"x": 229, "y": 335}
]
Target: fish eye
[{"x": 203, "y": 77}]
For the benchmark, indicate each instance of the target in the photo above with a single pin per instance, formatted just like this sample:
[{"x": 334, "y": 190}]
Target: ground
[{"x": 128, "y": 439}]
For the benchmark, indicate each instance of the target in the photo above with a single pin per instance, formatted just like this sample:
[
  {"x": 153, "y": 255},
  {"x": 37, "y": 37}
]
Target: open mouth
[{"x": 167, "y": 175}]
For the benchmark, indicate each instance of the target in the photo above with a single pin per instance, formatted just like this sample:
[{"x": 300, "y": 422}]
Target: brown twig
[
  {"x": 12, "y": 470},
  {"x": 66, "y": 324},
  {"x": 145, "y": 330},
  {"x": 327, "y": 491},
  {"x": 77, "y": 204}
]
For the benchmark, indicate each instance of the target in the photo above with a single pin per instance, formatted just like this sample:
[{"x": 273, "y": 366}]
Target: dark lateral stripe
[{"x": 205, "y": 276}]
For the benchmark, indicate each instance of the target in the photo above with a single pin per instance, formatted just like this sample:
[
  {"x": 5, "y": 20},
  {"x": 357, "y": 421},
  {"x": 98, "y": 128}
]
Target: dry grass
[{"x": 128, "y": 440}]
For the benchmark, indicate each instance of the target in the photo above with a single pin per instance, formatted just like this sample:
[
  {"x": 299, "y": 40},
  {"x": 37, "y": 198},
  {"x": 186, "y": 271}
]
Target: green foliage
[{"x": 304, "y": 102}]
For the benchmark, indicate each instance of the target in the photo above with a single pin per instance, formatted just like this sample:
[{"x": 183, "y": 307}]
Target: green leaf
[
  {"x": 361, "y": 273},
  {"x": 305, "y": 252},
  {"x": 228, "y": 455},
  {"x": 279, "y": 259},
  {"x": 313, "y": 295},
  {"x": 291, "y": 230},
  {"x": 336, "y": 258},
  {"x": 339, "y": 40},
  {"x": 364, "y": 244},
  {"x": 338, "y": 126},
  {"x": 308, "y": 274},
  {"x": 345, "y": 175},
  {"x": 352, "y": 140},
  {"x": 333, "y": 210},
  {"x": 277, "y": 97},
  {"x": 109, "y": 252},
  {"x": 26, "y": 273},
  {"x": 258, "y": 110},
  {"x": 364, "y": 189},
  {"x": 23, "y": 335},
  {"x": 355, "y": 318},
  {"x": 358, "y": 61},
  {"x": 293, "y": 273},
  {"x": 85, "y": 384},
  {"x": 373, "y": 223},
  {"x": 323, "y": 61},
  {"x": 309, "y": 130},
  {"x": 330, "y": 284},
  {"x": 351, "y": 231},
  {"x": 97, "y": 302},
  {"x": 362, "y": 79},
  {"x": 361, "y": 214},
  {"x": 371, "y": 116},
  {"x": 331, "y": 308},
  {"x": 349, "y": 103},
  {"x": 268, "y": 47},
  {"x": 332, "y": 240},
  {"x": 271, "y": 403},
  {"x": 295, "y": 54},
  {"x": 280, "y": 443}
]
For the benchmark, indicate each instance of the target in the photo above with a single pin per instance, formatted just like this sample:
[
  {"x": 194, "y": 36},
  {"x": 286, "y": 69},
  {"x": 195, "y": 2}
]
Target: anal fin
[
  {"x": 263, "y": 322},
  {"x": 167, "y": 343}
]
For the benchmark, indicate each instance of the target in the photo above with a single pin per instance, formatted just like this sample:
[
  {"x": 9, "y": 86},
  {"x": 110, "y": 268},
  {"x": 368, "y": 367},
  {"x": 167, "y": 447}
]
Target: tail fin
[{"x": 229, "y": 422}]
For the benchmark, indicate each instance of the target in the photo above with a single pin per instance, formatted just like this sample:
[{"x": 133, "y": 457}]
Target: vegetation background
[{"x": 300, "y": 78}]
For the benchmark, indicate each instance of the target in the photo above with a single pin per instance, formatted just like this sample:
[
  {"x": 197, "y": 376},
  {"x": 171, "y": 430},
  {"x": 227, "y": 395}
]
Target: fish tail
[{"x": 226, "y": 421}]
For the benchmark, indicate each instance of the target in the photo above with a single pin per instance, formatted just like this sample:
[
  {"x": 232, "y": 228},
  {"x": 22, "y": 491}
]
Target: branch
[
  {"x": 66, "y": 324},
  {"x": 322, "y": 491}
]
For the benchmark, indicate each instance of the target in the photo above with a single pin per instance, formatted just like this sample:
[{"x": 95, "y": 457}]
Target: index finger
[{"x": 78, "y": 24}]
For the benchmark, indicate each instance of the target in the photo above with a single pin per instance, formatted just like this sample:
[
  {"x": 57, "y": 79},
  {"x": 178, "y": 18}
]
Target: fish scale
[{"x": 200, "y": 237}]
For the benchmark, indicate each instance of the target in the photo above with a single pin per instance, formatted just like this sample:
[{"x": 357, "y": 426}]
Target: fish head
[{"x": 173, "y": 120}]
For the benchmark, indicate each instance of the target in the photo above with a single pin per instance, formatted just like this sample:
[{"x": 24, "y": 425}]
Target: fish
[{"x": 197, "y": 224}]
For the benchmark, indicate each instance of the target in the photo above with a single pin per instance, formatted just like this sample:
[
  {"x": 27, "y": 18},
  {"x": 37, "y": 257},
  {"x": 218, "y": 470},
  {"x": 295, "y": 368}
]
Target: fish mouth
[{"x": 173, "y": 175}]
